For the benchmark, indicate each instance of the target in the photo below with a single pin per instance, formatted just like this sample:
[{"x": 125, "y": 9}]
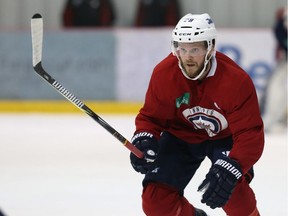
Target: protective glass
[{"x": 191, "y": 50}]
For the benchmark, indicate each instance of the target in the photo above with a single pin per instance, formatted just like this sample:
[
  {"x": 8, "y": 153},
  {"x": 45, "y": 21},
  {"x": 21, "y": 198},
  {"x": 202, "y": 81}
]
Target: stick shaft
[{"x": 37, "y": 39}]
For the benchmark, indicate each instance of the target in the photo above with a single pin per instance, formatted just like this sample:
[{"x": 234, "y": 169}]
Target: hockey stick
[{"x": 37, "y": 40}]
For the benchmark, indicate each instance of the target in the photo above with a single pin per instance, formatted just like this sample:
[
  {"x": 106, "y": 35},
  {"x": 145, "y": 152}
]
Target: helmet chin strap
[{"x": 201, "y": 73}]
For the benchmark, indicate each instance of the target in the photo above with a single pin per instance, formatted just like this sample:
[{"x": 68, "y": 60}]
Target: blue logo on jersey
[{"x": 208, "y": 119}]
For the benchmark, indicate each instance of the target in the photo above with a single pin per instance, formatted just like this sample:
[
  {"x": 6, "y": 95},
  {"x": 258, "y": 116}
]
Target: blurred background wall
[
  {"x": 228, "y": 13},
  {"x": 114, "y": 63}
]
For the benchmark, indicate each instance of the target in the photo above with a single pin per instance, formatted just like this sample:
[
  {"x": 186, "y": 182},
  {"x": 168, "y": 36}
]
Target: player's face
[{"x": 192, "y": 57}]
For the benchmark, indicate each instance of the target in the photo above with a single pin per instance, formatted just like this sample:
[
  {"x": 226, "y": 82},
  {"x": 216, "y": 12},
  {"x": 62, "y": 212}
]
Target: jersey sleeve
[
  {"x": 155, "y": 115},
  {"x": 246, "y": 126}
]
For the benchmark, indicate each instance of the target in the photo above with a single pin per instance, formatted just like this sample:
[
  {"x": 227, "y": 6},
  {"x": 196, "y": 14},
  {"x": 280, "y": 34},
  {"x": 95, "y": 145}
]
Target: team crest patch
[
  {"x": 208, "y": 119},
  {"x": 184, "y": 99}
]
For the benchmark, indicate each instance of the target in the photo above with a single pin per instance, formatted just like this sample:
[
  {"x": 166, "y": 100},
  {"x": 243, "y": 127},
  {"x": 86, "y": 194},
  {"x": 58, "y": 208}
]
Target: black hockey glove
[
  {"x": 146, "y": 143},
  {"x": 220, "y": 182}
]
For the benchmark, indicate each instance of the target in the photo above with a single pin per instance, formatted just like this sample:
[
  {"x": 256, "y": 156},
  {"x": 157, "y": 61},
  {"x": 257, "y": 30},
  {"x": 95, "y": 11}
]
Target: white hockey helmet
[{"x": 194, "y": 28}]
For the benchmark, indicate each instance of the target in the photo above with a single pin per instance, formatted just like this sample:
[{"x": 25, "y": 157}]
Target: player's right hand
[{"x": 148, "y": 144}]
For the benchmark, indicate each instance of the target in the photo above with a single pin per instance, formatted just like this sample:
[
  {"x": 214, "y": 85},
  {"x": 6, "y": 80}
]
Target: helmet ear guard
[{"x": 174, "y": 45}]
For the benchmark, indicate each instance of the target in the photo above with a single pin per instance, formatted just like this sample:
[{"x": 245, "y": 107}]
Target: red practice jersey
[{"x": 223, "y": 104}]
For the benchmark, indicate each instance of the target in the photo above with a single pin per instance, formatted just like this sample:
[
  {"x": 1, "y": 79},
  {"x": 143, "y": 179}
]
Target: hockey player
[
  {"x": 88, "y": 13},
  {"x": 275, "y": 110},
  {"x": 199, "y": 104},
  {"x": 155, "y": 13}
]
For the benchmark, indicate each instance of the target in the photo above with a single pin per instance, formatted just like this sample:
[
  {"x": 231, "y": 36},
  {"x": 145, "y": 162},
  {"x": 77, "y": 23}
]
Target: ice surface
[{"x": 68, "y": 165}]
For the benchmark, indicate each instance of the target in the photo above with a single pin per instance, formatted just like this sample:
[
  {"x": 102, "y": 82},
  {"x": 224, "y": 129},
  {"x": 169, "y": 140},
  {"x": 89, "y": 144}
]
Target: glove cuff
[
  {"x": 229, "y": 165},
  {"x": 142, "y": 136}
]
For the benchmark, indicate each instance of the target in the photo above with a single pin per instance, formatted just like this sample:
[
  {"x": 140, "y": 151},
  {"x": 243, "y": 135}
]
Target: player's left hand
[{"x": 220, "y": 182}]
